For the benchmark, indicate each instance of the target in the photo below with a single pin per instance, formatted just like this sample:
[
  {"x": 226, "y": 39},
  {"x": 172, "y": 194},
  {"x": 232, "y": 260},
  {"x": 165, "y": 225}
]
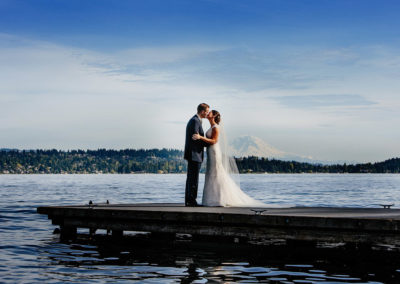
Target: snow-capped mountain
[
  {"x": 245, "y": 146},
  {"x": 253, "y": 146}
]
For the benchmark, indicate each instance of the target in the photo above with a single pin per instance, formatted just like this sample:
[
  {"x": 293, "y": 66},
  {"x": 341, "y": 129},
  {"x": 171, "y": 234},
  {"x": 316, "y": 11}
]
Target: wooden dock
[{"x": 315, "y": 224}]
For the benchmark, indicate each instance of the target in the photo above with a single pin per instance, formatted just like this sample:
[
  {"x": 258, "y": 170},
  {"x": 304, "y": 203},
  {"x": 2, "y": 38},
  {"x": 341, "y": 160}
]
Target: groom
[{"x": 194, "y": 154}]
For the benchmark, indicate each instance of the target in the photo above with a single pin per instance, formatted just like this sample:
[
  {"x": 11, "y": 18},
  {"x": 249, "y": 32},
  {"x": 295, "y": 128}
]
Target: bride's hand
[{"x": 196, "y": 136}]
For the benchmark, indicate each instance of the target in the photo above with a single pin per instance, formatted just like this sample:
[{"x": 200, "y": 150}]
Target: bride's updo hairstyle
[{"x": 217, "y": 116}]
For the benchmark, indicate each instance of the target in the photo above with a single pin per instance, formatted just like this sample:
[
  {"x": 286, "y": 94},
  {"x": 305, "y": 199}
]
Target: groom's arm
[
  {"x": 196, "y": 127},
  {"x": 208, "y": 141},
  {"x": 191, "y": 127},
  {"x": 196, "y": 130}
]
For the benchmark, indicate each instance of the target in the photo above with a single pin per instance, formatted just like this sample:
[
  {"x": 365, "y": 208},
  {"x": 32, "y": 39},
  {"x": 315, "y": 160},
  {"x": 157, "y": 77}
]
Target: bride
[{"x": 220, "y": 189}]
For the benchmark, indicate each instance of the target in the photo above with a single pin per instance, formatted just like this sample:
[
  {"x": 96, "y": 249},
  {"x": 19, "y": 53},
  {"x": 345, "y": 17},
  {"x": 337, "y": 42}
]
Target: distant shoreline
[
  {"x": 259, "y": 173},
  {"x": 160, "y": 161}
]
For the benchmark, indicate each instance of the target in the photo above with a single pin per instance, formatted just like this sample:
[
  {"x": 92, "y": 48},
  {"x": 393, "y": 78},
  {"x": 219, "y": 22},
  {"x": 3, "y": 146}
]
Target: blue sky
[{"x": 314, "y": 78}]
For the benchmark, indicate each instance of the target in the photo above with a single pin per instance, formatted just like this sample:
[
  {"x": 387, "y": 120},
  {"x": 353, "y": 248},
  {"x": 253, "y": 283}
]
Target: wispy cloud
[
  {"x": 318, "y": 101},
  {"x": 162, "y": 55},
  {"x": 142, "y": 97}
]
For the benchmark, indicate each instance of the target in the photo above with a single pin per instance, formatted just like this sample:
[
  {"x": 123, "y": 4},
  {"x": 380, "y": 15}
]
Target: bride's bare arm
[{"x": 212, "y": 140}]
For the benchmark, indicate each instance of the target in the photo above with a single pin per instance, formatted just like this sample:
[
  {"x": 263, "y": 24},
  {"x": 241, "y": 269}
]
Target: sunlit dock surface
[{"x": 312, "y": 224}]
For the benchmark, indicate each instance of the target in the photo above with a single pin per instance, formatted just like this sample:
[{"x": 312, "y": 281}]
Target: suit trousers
[{"x": 192, "y": 183}]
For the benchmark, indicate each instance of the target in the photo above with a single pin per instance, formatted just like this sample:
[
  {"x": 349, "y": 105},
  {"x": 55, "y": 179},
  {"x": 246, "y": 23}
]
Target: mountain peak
[{"x": 244, "y": 146}]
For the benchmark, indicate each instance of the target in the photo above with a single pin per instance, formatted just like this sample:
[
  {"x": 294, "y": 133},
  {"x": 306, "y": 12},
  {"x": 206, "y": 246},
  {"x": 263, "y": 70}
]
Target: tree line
[
  {"x": 257, "y": 165},
  {"x": 92, "y": 161},
  {"x": 158, "y": 161}
]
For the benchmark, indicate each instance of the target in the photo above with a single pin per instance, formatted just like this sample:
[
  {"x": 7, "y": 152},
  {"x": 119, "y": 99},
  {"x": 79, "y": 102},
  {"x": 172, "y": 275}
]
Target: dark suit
[{"x": 194, "y": 154}]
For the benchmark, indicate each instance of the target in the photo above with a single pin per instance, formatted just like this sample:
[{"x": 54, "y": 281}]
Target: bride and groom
[{"x": 220, "y": 189}]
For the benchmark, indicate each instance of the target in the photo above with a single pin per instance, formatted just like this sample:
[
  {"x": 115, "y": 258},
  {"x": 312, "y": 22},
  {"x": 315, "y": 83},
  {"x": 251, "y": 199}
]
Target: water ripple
[{"x": 29, "y": 253}]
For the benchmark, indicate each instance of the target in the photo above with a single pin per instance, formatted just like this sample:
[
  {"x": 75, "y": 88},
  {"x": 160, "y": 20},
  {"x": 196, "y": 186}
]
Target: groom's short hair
[{"x": 202, "y": 107}]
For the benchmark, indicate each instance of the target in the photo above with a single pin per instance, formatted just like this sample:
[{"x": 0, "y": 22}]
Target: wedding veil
[{"x": 228, "y": 160}]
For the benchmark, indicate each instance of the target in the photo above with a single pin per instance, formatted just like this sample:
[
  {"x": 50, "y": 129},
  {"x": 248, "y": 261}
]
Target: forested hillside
[{"x": 158, "y": 161}]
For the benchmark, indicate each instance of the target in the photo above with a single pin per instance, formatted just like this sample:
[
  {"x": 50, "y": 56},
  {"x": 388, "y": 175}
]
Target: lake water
[{"x": 29, "y": 252}]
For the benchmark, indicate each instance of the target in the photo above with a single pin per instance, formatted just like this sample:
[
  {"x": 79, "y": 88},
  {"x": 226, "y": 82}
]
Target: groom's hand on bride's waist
[{"x": 196, "y": 136}]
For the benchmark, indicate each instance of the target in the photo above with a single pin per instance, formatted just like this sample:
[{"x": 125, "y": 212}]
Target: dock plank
[{"x": 331, "y": 224}]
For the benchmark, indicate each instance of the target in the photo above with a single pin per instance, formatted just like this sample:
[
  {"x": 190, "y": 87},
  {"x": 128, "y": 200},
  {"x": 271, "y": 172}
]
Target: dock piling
[
  {"x": 68, "y": 232},
  {"x": 117, "y": 234}
]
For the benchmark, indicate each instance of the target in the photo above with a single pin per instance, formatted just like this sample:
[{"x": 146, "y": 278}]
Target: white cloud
[
  {"x": 162, "y": 55},
  {"x": 54, "y": 90},
  {"x": 54, "y": 96}
]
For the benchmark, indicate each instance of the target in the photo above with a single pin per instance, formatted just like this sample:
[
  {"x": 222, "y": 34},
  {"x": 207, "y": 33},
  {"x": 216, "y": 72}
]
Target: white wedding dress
[{"x": 219, "y": 188}]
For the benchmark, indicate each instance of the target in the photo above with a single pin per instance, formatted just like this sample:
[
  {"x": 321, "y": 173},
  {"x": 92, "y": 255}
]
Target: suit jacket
[{"x": 194, "y": 149}]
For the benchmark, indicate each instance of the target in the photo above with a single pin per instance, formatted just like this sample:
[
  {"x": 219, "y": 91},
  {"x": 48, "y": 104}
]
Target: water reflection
[{"x": 154, "y": 260}]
